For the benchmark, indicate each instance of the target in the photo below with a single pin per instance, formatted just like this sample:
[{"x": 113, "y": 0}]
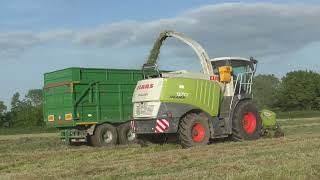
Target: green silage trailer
[{"x": 90, "y": 105}]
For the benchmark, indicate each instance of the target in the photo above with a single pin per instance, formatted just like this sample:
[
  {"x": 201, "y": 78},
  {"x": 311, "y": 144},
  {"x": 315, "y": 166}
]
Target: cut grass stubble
[{"x": 296, "y": 156}]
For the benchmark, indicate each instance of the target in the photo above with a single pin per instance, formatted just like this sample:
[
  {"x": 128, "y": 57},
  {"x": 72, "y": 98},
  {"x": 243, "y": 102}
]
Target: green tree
[
  {"x": 33, "y": 99},
  {"x": 3, "y": 109},
  {"x": 15, "y": 100},
  {"x": 28, "y": 111},
  {"x": 15, "y": 105},
  {"x": 264, "y": 90},
  {"x": 300, "y": 90}
]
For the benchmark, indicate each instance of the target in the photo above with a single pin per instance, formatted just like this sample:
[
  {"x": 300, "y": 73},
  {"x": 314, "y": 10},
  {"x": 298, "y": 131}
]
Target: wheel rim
[
  {"x": 198, "y": 132},
  {"x": 107, "y": 136},
  {"x": 249, "y": 123},
  {"x": 131, "y": 136}
]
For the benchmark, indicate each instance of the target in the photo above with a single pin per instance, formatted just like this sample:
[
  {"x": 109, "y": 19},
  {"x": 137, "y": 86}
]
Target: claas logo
[{"x": 145, "y": 86}]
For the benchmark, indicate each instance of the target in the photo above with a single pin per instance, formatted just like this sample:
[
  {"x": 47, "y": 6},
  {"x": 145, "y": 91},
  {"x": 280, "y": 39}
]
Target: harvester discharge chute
[
  {"x": 155, "y": 51},
  {"x": 196, "y": 108}
]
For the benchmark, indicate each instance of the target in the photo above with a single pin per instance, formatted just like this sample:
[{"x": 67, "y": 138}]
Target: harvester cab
[
  {"x": 196, "y": 107},
  {"x": 236, "y": 73}
]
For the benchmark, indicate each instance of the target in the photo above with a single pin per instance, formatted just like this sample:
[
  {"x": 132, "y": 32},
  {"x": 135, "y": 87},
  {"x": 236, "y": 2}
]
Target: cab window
[{"x": 238, "y": 67}]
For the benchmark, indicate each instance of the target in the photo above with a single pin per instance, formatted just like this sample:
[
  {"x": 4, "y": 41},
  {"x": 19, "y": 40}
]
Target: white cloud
[
  {"x": 12, "y": 43},
  {"x": 56, "y": 35},
  {"x": 112, "y": 34},
  {"x": 243, "y": 29}
]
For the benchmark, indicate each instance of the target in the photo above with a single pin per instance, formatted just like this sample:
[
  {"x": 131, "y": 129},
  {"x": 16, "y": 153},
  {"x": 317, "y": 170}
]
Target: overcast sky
[{"x": 38, "y": 36}]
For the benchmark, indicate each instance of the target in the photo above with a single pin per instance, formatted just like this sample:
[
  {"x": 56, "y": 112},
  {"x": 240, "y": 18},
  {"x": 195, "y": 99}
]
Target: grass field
[
  {"x": 32, "y": 130},
  {"x": 42, "y": 156}
]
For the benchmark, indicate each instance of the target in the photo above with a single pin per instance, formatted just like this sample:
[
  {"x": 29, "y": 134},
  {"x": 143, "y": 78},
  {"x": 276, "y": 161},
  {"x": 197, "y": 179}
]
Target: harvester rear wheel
[
  {"x": 194, "y": 130},
  {"x": 104, "y": 135},
  {"x": 246, "y": 122},
  {"x": 126, "y": 134}
]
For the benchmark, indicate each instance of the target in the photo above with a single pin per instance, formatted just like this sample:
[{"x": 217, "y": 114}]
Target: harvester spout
[{"x": 201, "y": 53}]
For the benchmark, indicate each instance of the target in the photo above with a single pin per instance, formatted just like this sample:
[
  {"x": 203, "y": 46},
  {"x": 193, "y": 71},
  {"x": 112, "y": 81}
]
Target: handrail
[{"x": 239, "y": 80}]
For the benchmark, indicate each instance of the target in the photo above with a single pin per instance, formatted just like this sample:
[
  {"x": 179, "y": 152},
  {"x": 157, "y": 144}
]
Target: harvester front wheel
[
  {"x": 194, "y": 130},
  {"x": 126, "y": 134},
  {"x": 246, "y": 122},
  {"x": 104, "y": 135}
]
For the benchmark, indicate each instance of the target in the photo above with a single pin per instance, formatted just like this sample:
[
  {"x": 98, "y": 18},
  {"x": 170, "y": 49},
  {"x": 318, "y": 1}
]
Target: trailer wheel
[
  {"x": 246, "y": 122},
  {"x": 194, "y": 130},
  {"x": 126, "y": 135},
  {"x": 104, "y": 135}
]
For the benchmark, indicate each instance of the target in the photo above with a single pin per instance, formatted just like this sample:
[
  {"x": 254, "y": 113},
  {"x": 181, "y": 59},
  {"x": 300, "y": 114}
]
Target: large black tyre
[
  {"x": 125, "y": 134},
  {"x": 104, "y": 135},
  {"x": 194, "y": 130},
  {"x": 246, "y": 122}
]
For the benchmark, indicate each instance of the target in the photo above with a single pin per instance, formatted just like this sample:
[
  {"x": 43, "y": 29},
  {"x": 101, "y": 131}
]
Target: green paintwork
[
  {"x": 203, "y": 94},
  {"x": 91, "y": 95},
  {"x": 268, "y": 118}
]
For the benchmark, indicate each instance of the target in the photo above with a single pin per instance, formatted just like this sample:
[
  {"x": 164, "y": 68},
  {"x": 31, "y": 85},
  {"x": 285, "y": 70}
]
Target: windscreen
[{"x": 238, "y": 66}]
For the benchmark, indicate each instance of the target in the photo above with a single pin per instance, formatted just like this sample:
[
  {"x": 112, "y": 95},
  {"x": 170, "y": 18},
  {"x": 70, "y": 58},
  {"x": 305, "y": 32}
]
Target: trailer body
[{"x": 75, "y": 99}]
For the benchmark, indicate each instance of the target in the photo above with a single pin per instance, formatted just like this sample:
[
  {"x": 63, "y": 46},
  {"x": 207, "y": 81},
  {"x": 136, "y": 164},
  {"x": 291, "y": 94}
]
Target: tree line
[
  {"x": 24, "y": 112},
  {"x": 297, "y": 90}
]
